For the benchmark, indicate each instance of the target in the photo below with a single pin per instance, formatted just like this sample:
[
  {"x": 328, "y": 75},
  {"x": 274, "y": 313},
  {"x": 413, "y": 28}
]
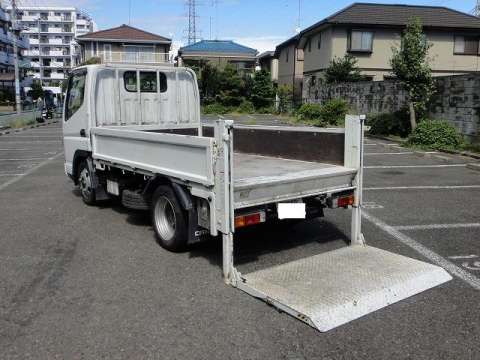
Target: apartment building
[
  {"x": 7, "y": 76},
  {"x": 53, "y": 50}
]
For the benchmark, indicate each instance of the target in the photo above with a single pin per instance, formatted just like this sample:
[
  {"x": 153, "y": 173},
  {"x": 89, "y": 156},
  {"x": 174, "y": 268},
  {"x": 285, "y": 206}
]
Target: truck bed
[
  {"x": 269, "y": 164},
  {"x": 262, "y": 179}
]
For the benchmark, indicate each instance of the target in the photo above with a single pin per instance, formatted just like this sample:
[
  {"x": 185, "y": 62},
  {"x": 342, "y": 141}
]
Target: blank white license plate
[{"x": 291, "y": 210}]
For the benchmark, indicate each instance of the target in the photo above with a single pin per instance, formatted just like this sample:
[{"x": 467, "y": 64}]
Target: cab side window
[{"x": 75, "y": 93}]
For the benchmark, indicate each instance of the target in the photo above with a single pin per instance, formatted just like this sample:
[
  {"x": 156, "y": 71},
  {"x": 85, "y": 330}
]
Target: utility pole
[
  {"x": 192, "y": 21},
  {"x": 18, "y": 103}
]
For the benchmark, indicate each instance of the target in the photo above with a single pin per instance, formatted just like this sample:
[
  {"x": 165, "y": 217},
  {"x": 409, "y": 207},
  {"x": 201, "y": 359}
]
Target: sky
[{"x": 258, "y": 24}]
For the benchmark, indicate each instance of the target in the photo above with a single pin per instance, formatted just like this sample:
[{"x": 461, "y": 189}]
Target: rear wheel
[
  {"x": 168, "y": 219},
  {"x": 85, "y": 184}
]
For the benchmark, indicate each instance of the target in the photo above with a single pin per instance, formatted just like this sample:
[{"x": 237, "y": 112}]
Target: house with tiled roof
[
  {"x": 124, "y": 44},
  {"x": 368, "y": 31},
  {"x": 218, "y": 53}
]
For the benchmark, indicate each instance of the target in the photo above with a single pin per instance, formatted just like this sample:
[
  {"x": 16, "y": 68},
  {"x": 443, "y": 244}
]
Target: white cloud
[{"x": 261, "y": 43}]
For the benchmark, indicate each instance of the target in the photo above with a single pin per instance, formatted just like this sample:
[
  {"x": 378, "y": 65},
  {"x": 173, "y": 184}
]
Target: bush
[
  {"x": 397, "y": 123},
  {"x": 215, "y": 109},
  {"x": 436, "y": 135},
  {"x": 285, "y": 98},
  {"x": 333, "y": 112},
  {"x": 309, "y": 112},
  {"x": 246, "y": 107}
]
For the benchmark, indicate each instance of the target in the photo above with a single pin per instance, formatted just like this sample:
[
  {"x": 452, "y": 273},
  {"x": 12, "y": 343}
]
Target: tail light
[
  {"x": 345, "y": 201},
  {"x": 249, "y": 219}
]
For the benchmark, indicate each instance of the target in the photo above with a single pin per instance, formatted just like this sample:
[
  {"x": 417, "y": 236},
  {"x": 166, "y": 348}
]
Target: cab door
[{"x": 75, "y": 118}]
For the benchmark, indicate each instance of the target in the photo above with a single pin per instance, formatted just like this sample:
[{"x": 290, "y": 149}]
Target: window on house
[
  {"x": 361, "y": 41},
  {"x": 286, "y": 55},
  {"x": 466, "y": 45},
  {"x": 319, "y": 41},
  {"x": 130, "y": 81},
  {"x": 309, "y": 45}
]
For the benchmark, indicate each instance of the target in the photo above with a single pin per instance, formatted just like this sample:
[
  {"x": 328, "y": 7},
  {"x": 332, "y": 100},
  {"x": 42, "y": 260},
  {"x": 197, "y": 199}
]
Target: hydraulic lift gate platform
[{"x": 333, "y": 288}]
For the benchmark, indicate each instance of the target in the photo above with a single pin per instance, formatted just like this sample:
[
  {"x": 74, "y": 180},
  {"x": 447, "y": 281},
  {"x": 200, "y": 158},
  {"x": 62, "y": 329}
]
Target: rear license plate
[{"x": 291, "y": 210}]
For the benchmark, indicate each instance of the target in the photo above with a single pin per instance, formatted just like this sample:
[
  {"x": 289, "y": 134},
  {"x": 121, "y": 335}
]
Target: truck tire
[
  {"x": 168, "y": 219},
  {"x": 85, "y": 183}
]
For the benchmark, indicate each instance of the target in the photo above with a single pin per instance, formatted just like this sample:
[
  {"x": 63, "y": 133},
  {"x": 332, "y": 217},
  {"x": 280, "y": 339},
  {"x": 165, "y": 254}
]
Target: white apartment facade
[{"x": 53, "y": 50}]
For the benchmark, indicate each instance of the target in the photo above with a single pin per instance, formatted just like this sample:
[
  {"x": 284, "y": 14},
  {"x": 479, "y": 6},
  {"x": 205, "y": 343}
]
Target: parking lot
[{"x": 79, "y": 282}]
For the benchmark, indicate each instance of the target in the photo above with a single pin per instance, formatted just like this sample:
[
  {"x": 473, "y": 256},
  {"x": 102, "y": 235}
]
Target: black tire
[
  {"x": 168, "y": 219},
  {"x": 84, "y": 178}
]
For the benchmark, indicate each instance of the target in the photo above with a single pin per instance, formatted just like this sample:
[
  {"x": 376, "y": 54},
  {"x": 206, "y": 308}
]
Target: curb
[
  {"x": 423, "y": 153},
  {"x": 8, "y": 130}
]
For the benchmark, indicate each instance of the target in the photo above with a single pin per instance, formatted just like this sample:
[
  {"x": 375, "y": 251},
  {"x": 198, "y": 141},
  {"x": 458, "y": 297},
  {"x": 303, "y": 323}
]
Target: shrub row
[{"x": 332, "y": 113}]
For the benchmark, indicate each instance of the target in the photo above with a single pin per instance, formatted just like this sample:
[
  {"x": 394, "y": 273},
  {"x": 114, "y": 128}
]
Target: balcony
[
  {"x": 34, "y": 41},
  {"x": 31, "y": 52},
  {"x": 34, "y": 64},
  {"x": 134, "y": 57},
  {"x": 31, "y": 30},
  {"x": 53, "y": 76}
]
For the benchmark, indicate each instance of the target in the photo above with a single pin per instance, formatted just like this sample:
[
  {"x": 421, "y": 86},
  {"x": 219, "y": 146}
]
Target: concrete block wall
[{"x": 457, "y": 99}]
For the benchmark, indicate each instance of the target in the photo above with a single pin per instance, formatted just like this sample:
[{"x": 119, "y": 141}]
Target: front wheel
[
  {"x": 85, "y": 184},
  {"x": 168, "y": 219}
]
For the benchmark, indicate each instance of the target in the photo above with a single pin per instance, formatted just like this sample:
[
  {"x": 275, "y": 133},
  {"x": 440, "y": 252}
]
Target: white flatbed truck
[{"x": 134, "y": 132}]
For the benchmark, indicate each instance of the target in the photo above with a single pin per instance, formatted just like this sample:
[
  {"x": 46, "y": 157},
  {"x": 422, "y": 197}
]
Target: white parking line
[
  {"x": 427, "y": 187},
  {"x": 5, "y": 175},
  {"x": 369, "y": 144},
  {"x": 28, "y": 172},
  {"x": 413, "y": 166},
  {"x": 436, "y": 226},
  {"x": 13, "y": 149},
  {"x": 391, "y": 153},
  {"x": 35, "y": 136},
  {"x": 424, "y": 251},
  {"x": 30, "y": 142},
  {"x": 30, "y": 159}
]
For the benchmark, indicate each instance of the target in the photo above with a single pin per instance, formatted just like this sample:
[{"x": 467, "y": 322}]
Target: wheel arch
[{"x": 78, "y": 157}]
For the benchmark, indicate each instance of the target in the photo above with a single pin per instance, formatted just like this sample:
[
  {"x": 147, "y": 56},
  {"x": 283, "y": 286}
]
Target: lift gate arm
[{"x": 333, "y": 288}]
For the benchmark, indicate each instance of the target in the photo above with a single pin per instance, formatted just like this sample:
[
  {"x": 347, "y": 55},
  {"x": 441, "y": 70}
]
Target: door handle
[{"x": 82, "y": 133}]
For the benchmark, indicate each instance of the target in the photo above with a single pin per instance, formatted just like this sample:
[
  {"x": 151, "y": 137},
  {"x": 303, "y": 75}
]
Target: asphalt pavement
[{"x": 80, "y": 282}]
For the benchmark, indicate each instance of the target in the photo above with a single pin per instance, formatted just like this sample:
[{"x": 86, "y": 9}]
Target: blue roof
[{"x": 218, "y": 46}]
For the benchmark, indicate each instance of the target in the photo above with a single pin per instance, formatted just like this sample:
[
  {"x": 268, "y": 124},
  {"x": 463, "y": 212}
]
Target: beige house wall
[
  {"x": 377, "y": 63},
  {"x": 291, "y": 72}
]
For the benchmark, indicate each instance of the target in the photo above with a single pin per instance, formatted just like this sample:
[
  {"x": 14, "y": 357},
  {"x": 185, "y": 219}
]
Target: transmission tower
[
  {"x": 192, "y": 21},
  {"x": 476, "y": 9}
]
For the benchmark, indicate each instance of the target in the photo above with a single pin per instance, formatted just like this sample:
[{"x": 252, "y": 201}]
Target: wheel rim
[
  {"x": 85, "y": 183},
  {"x": 165, "y": 220}
]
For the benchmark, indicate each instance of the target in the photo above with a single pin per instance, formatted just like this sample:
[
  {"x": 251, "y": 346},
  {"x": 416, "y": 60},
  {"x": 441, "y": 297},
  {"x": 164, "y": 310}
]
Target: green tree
[
  {"x": 410, "y": 66},
  {"x": 37, "y": 90},
  {"x": 343, "y": 70},
  {"x": 285, "y": 98},
  {"x": 231, "y": 87},
  {"x": 263, "y": 93}
]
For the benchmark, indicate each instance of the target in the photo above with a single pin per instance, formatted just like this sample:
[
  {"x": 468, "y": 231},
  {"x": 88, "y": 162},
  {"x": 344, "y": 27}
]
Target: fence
[{"x": 456, "y": 99}]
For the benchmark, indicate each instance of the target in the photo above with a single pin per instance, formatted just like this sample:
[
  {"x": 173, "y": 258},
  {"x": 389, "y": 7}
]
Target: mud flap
[{"x": 334, "y": 288}]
